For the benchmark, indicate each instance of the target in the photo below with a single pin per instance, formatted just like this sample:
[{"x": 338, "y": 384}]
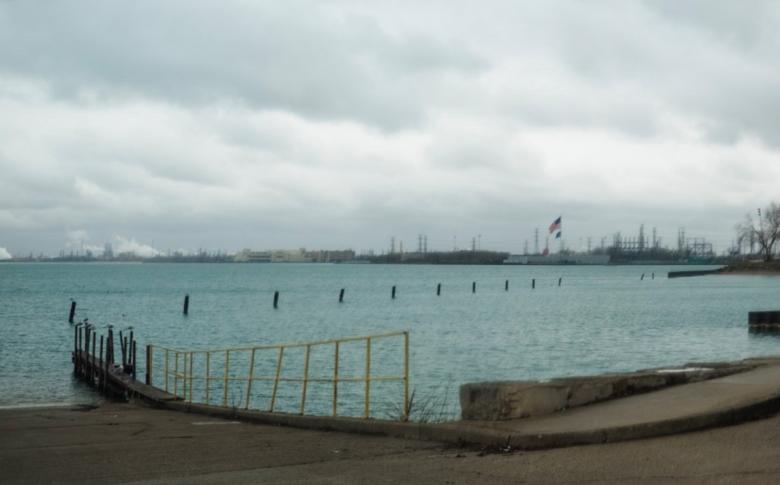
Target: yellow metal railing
[{"x": 180, "y": 376}]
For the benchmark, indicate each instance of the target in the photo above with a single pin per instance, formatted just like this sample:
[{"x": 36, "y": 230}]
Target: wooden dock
[{"x": 99, "y": 368}]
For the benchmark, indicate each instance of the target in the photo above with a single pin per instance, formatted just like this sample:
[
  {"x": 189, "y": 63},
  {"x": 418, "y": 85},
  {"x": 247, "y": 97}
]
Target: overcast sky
[{"x": 232, "y": 124}]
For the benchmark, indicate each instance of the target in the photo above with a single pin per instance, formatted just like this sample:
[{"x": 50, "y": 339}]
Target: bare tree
[{"x": 764, "y": 230}]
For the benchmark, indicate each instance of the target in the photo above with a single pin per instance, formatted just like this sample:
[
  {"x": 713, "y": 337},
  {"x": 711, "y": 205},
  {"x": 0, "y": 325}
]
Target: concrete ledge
[
  {"x": 463, "y": 434},
  {"x": 502, "y": 400},
  {"x": 517, "y": 434}
]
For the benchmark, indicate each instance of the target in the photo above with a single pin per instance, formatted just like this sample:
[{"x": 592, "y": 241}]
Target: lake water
[{"x": 601, "y": 319}]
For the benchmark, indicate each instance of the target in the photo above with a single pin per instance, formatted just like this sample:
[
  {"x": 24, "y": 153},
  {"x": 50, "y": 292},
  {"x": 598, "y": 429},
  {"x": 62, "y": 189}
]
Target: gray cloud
[
  {"x": 299, "y": 56},
  {"x": 281, "y": 124}
]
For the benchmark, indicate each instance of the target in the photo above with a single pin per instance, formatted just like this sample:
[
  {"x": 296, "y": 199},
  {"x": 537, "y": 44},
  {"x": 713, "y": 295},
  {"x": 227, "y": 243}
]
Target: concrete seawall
[
  {"x": 726, "y": 400},
  {"x": 503, "y": 400}
]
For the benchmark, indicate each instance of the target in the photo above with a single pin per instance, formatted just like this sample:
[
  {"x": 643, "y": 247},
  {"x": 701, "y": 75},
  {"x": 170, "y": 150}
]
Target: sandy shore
[{"x": 129, "y": 443}]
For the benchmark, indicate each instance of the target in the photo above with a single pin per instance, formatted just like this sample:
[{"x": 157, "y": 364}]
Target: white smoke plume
[
  {"x": 78, "y": 240},
  {"x": 4, "y": 254},
  {"x": 125, "y": 245}
]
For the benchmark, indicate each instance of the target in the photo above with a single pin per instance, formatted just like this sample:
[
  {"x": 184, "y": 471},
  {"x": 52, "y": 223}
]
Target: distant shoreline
[
  {"x": 771, "y": 268},
  {"x": 358, "y": 262}
]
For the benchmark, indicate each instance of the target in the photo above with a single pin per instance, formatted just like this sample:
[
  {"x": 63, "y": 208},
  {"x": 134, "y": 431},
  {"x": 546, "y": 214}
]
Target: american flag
[{"x": 555, "y": 226}]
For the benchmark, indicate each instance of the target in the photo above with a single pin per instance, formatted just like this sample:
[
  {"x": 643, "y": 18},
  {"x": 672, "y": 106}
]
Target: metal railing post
[
  {"x": 336, "y": 380},
  {"x": 225, "y": 390},
  {"x": 190, "y": 375},
  {"x": 249, "y": 381},
  {"x": 208, "y": 378},
  {"x": 166, "y": 370},
  {"x": 406, "y": 376},
  {"x": 305, "y": 378},
  {"x": 276, "y": 379},
  {"x": 185, "y": 372},
  {"x": 176, "y": 373},
  {"x": 368, "y": 377},
  {"x": 184, "y": 376}
]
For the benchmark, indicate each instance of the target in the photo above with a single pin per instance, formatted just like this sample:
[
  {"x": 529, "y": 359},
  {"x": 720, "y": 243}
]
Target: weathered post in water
[
  {"x": 533, "y": 283},
  {"x": 72, "y": 311},
  {"x": 392, "y": 293},
  {"x": 110, "y": 349},
  {"x": 186, "y": 308},
  {"x": 559, "y": 281},
  {"x": 438, "y": 289},
  {"x": 506, "y": 285},
  {"x": 641, "y": 278},
  {"x": 75, "y": 349},
  {"x": 341, "y": 296},
  {"x": 122, "y": 347},
  {"x": 148, "y": 365},
  {"x": 101, "y": 375},
  {"x": 85, "y": 351},
  {"x": 473, "y": 286},
  {"x": 132, "y": 342},
  {"x": 276, "y": 299},
  {"x": 93, "y": 367}
]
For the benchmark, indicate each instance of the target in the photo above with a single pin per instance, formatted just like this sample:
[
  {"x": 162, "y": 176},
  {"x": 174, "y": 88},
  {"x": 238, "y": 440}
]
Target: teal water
[{"x": 601, "y": 319}]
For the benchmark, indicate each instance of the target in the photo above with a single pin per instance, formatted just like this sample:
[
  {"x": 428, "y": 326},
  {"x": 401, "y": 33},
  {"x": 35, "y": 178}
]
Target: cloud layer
[{"x": 341, "y": 124}]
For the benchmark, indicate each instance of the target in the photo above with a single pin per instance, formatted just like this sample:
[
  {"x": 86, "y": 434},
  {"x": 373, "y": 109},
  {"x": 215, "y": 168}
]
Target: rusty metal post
[
  {"x": 336, "y": 380},
  {"x": 249, "y": 381},
  {"x": 226, "y": 382},
  {"x": 406, "y": 376},
  {"x": 305, "y": 379},
  {"x": 276, "y": 379},
  {"x": 366, "y": 412},
  {"x": 208, "y": 376}
]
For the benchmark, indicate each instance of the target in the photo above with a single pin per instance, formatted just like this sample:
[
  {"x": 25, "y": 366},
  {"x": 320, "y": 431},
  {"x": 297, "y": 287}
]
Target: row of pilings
[
  {"x": 393, "y": 289},
  {"x": 95, "y": 360},
  {"x": 342, "y": 293}
]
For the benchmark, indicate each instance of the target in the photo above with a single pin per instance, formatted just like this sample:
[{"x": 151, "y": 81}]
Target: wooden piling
[
  {"x": 122, "y": 347},
  {"x": 72, "y": 311},
  {"x": 341, "y": 296},
  {"x": 76, "y": 349},
  {"x": 186, "y": 308},
  {"x": 392, "y": 293},
  {"x": 276, "y": 299},
  {"x": 533, "y": 283},
  {"x": 93, "y": 366},
  {"x": 149, "y": 366},
  {"x": 438, "y": 289},
  {"x": 132, "y": 344},
  {"x": 652, "y": 276},
  {"x": 642, "y": 277},
  {"x": 84, "y": 347},
  {"x": 130, "y": 356},
  {"x": 101, "y": 376},
  {"x": 109, "y": 356},
  {"x": 559, "y": 281},
  {"x": 473, "y": 286},
  {"x": 110, "y": 347},
  {"x": 506, "y": 285}
]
